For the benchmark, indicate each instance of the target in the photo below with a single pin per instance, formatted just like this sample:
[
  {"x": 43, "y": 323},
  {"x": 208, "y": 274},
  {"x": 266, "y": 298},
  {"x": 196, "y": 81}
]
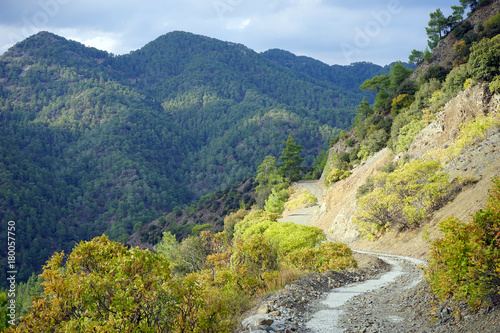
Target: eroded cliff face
[{"x": 480, "y": 162}]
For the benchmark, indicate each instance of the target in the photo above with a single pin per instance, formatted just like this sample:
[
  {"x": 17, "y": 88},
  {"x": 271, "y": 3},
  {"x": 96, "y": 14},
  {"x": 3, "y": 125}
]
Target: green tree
[
  {"x": 437, "y": 25},
  {"x": 473, "y": 4},
  {"x": 364, "y": 109},
  {"x": 268, "y": 177},
  {"x": 291, "y": 160},
  {"x": 416, "y": 57}
]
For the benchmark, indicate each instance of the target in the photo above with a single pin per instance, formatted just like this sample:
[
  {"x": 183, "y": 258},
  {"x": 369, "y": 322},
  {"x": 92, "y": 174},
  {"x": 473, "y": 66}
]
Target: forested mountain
[{"x": 92, "y": 143}]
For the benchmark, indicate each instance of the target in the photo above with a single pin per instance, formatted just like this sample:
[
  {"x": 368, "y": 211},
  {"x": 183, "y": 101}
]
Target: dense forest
[{"x": 93, "y": 143}]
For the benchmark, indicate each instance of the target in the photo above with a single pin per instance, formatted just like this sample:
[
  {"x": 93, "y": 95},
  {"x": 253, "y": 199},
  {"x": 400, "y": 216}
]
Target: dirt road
[{"x": 302, "y": 216}]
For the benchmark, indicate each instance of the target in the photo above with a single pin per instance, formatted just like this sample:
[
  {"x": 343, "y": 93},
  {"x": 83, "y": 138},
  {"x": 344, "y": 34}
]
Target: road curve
[{"x": 327, "y": 320}]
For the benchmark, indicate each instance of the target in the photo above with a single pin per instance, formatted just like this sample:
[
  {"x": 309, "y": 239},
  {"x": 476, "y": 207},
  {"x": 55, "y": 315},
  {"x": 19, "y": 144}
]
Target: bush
[
  {"x": 462, "y": 29},
  {"x": 401, "y": 199},
  {"x": 465, "y": 263},
  {"x": 275, "y": 203},
  {"x": 335, "y": 175},
  {"x": 291, "y": 237},
  {"x": 300, "y": 200},
  {"x": 436, "y": 72},
  {"x": 407, "y": 134},
  {"x": 253, "y": 218},
  {"x": 328, "y": 256},
  {"x": 401, "y": 102},
  {"x": 425, "y": 92},
  {"x": 373, "y": 143},
  {"x": 455, "y": 80},
  {"x": 495, "y": 85},
  {"x": 484, "y": 60}
]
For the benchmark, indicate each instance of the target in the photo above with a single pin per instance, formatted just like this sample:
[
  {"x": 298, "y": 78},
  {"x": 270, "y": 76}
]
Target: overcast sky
[{"x": 333, "y": 31}]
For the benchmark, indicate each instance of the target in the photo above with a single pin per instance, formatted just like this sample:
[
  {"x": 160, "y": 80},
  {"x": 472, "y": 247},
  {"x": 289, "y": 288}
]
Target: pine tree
[{"x": 291, "y": 160}]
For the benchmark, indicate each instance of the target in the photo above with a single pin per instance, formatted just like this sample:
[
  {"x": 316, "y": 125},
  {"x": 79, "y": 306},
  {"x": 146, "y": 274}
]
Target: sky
[{"x": 332, "y": 31}]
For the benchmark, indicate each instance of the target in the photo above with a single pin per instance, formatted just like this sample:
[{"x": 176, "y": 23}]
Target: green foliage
[
  {"x": 275, "y": 203},
  {"x": 291, "y": 160},
  {"x": 407, "y": 134},
  {"x": 231, "y": 220},
  {"x": 464, "y": 263},
  {"x": 300, "y": 199},
  {"x": 401, "y": 199},
  {"x": 495, "y": 85},
  {"x": 253, "y": 218},
  {"x": 436, "y": 72},
  {"x": 401, "y": 102},
  {"x": 102, "y": 285},
  {"x": 94, "y": 143},
  {"x": 454, "y": 82},
  {"x": 258, "y": 254},
  {"x": 484, "y": 59},
  {"x": 364, "y": 110},
  {"x": 335, "y": 175},
  {"x": 328, "y": 256},
  {"x": 416, "y": 57},
  {"x": 319, "y": 164},
  {"x": 269, "y": 179},
  {"x": 290, "y": 237},
  {"x": 373, "y": 143}
]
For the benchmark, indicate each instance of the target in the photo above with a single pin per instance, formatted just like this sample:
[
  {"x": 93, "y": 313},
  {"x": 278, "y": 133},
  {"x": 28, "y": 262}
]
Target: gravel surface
[{"x": 403, "y": 304}]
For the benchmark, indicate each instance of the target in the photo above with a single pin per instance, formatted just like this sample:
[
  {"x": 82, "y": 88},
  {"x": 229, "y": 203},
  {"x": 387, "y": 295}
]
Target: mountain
[{"x": 93, "y": 143}]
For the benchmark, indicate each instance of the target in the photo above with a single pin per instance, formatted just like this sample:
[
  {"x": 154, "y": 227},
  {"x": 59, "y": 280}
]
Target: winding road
[{"x": 369, "y": 306}]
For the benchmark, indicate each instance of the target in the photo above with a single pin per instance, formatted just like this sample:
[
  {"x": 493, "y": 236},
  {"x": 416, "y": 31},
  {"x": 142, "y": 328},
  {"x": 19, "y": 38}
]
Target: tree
[
  {"x": 458, "y": 13},
  {"x": 377, "y": 83},
  {"x": 473, "y": 4},
  {"x": 416, "y": 57},
  {"x": 291, "y": 160},
  {"x": 398, "y": 75},
  {"x": 364, "y": 109},
  {"x": 268, "y": 177},
  {"x": 437, "y": 25}
]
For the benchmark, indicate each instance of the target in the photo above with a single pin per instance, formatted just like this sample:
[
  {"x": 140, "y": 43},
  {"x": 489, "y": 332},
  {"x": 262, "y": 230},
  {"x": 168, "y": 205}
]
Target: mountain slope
[{"x": 95, "y": 143}]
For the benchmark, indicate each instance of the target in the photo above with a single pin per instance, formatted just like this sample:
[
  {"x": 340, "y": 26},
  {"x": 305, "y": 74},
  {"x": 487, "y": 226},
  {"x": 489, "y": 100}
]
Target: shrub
[
  {"x": 465, "y": 263},
  {"x": 335, "y": 175},
  {"x": 275, "y": 203},
  {"x": 455, "y": 80},
  {"x": 104, "y": 286},
  {"x": 492, "y": 25},
  {"x": 291, "y": 236},
  {"x": 407, "y": 134},
  {"x": 402, "y": 199},
  {"x": 425, "y": 92},
  {"x": 484, "y": 60},
  {"x": 373, "y": 143},
  {"x": 470, "y": 133},
  {"x": 255, "y": 255},
  {"x": 436, "y": 72},
  {"x": 231, "y": 220},
  {"x": 253, "y": 218},
  {"x": 495, "y": 85},
  {"x": 401, "y": 102},
  {"x": 328, "y": 256},
  {"x": 300, "y": 200}
]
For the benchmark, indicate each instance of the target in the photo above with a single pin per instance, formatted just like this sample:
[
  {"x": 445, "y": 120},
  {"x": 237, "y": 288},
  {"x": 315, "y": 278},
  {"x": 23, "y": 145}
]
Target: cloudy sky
[{"x": 333, "y": 31}]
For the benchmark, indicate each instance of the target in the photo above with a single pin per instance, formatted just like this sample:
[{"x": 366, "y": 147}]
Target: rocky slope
[{"x": 480, "y": 162}]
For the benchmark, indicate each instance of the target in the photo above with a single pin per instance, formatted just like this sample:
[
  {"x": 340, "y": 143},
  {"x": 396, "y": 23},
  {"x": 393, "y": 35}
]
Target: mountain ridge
[{"x": 96, "y": 143}]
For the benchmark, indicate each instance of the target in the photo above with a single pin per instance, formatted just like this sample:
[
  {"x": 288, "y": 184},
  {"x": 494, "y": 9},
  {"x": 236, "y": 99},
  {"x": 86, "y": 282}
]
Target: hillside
[
  {"x": 94, "y": 143},
  {"x": 432, "y": 127}
]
